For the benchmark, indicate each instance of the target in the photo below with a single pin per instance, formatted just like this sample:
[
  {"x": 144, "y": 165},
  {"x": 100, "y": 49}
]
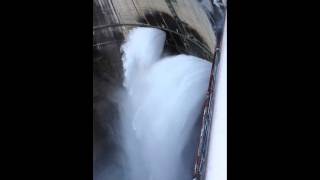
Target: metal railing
[{"x": 202, "y": 151}]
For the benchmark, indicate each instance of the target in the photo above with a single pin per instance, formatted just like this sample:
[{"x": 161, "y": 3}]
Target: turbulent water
[{"x": 160, "y": 107}]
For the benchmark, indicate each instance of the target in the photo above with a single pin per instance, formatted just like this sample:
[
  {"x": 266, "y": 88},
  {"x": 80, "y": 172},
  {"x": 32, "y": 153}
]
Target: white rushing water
[{"x": 163, "y": 101}]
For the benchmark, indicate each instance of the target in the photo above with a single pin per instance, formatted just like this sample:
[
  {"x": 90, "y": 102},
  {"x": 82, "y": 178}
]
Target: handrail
[{"x": 202, "y": 151}]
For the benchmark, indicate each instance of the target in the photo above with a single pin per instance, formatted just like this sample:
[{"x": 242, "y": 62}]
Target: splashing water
[{"x": 163, "y": 102}]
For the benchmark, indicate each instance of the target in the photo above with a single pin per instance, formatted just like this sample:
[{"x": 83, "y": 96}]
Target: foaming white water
[{"x": 164, "y": 99}]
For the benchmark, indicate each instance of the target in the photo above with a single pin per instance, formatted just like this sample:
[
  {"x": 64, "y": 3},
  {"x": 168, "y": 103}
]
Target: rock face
[
  {"x": 189, "y": 30},
  {"x": 107, "y": 77}
]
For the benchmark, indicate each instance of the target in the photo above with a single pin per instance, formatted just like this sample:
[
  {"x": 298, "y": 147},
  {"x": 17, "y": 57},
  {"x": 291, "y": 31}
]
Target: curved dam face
[{"x": 151, "y": 67}]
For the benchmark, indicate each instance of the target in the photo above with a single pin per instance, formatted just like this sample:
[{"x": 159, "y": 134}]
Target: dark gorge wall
[{"x": 107, "y": 78}]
